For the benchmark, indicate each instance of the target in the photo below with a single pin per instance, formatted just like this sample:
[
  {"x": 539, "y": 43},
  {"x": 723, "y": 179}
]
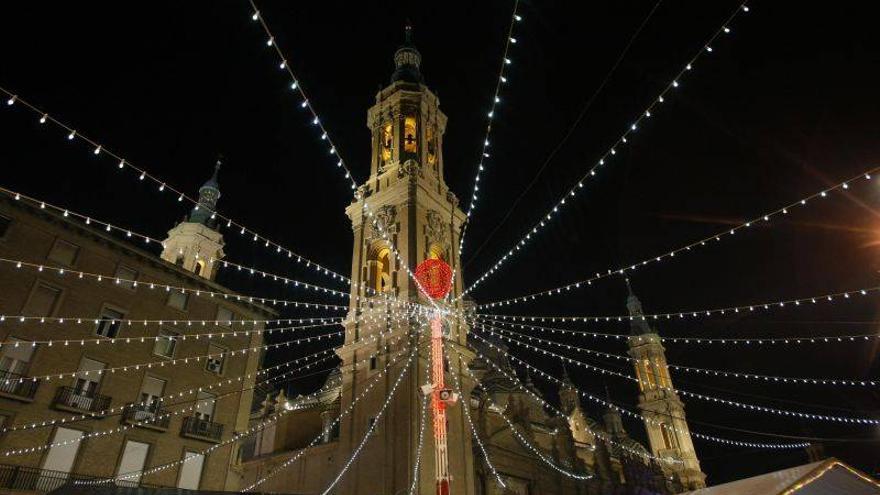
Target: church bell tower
[
  {"x": 195, "y": 243},
  {"x": 402, "y": 215},
  {"x": 662, "y": 410}
]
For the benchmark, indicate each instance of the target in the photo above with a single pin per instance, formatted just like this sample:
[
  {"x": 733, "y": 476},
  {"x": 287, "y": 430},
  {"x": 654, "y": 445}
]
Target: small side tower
[
  {"x": 195, "y": 243},
  {"x": 662, "y": 410}
]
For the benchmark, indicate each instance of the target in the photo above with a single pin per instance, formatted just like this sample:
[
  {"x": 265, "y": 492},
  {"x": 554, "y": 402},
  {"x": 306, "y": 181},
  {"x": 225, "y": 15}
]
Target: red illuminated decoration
[{"x": 435, "y": 277}]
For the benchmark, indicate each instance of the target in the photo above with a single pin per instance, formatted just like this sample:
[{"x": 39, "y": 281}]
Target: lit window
[
  {"x": 109, "y": 323},
  {"x": 387, "y": 142},
  {"x": 127, "y": 276},
  {"x": 410, "y": 135},
  {"x": 166, "y": 344},
  {"x": 178, "y": 300},
  {"x": 64, "y": 253},
  {"x": 43, "y": 301}
]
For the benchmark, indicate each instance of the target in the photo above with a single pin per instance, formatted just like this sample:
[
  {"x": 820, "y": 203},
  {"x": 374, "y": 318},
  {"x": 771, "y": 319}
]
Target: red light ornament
[{"x": 435, "y": 277}]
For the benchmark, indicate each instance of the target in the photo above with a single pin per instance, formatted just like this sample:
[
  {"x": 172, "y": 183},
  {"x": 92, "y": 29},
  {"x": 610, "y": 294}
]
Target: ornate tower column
[
  {"x": 195, "y": 243},
  {"x": 662, "y": 409},
  {"x": 404, "y": 207}
]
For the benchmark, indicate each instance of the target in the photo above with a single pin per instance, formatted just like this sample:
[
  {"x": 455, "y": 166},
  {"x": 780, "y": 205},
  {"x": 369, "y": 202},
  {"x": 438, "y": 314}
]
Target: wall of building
[{"x": 30, "y": 236}]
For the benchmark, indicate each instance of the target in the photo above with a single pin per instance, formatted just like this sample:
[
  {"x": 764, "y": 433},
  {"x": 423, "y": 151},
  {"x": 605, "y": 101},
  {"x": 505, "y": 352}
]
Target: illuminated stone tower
[
  {"x": 410, "y": 210},
  {"x": 195, "y": 242},
  {"x": 662, "y": 410}
]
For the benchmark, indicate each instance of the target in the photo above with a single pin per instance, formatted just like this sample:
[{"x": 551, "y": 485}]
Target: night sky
[{"x": 783, "y": 107}]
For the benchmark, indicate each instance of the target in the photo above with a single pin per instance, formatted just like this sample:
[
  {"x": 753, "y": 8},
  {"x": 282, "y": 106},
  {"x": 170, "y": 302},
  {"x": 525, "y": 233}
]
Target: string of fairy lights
[
  {"x": 706, "y": 241},
  {"x": 503, "y": 74},
  {"x": 621, "y": 141},
  {"x": 794, "y": 340},
  {"x": 305, "y": 103},
  {"x": 326, "y": 353},
  {"x": 690, "y": 369},
  {"x": 370, "y": 383},
  {"x": 609, "y": 404},
  {"x": 99, "y": 150},
  {"x": 134, "y": 284},
  {"x": 273, "y": 472},
  {"x": 686, "y": 393},
  {"x": 483, "y": 321},
  {"x": 605, "y": 438}
]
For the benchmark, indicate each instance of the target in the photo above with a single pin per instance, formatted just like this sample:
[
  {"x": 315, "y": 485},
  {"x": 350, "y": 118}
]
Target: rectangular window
[
  {"x": 4, "y": 226},
  {"x": 178, "y": 300},
  {"x": 152, "y": 391},
  {"x": 62, "y": 455},
  {"x": 205, "y": 406},
  {"x": 224, "y": 316},
  {"x": 64, "y": 253},
  {"x": 125, "y": 276},
  {"x": 109, "y": 323},
  {"x": 43, "y": 301},
  {"x": 191, "y": 471},
  {"x": 134, "y": 457},
  {"x": 215, "y": 363},
  {"x": 373, "y": 363},
  {"x": 15, "y": 358},
  {"x": 166, "y": 345}
]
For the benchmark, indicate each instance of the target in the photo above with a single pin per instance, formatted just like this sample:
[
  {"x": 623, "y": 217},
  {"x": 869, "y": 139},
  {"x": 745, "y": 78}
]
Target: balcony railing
[
  {"x": 18, "y": 386},
  {"x": 201, "y": 429},
  {"x": 30, "y": 479},
  {"x": 80, "y": 400},
  {"x": 147, "y": 416}
]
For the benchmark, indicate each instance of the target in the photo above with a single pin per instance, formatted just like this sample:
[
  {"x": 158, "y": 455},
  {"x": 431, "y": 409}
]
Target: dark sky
[{"x": 784, "y": 106}]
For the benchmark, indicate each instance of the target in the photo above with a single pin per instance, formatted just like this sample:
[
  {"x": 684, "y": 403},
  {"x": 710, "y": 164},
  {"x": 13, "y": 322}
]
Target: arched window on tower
[
  {"x": 387, "y": 142},
  {"x": 432, "y": 147},
  {"x": 410, "y": 134},
  {"x": 668, "y": 436},
  {"x": 199, "y": 267},
  {"x": 379, "y": 270},
  {"x": 649, "y": 375}
]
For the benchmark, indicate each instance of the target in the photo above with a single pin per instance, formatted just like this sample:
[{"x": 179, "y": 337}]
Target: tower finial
[
  {"x": 407, "y": 60},
  {"x": 638, "y": 324}
]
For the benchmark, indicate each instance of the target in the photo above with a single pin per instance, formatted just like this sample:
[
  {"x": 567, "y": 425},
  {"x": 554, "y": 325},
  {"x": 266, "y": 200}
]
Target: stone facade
[{"x": 45, "y": 238}]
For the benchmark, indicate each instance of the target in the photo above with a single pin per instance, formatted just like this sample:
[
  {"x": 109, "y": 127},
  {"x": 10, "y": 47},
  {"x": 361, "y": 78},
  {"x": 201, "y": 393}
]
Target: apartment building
[{"x": 166, "y": 410}]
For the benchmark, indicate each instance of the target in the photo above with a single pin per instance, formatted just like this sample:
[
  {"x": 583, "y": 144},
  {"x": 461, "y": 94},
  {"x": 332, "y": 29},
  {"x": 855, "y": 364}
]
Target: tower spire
[
  {"x": 209, "y": 193},
  {"x": 638, "y": 323},
  {"x": 407, "y": 60}
]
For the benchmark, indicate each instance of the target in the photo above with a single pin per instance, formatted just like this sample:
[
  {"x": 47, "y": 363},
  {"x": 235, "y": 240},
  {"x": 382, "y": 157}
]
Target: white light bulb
[
  {"x": 256, "y": 15},
  {"x": 270, "y": 41},
  {"x": 11, "y": 100},
  {"x": 294, "y": 85},
  {"x": 44, "y": 118},
  {"x": 71, "y": 135},
  {"x": 507, "y": 61}
]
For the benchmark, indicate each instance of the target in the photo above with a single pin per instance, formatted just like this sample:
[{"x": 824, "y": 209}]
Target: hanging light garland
[
  {"x": 707, "y": 398},
  {"x": 714, "y": 238},
  {"x": 797, "y": 340},
  {"x": 239, "y": 436},
  {"x": 329, "y": 427},
  {"x": 512, "y": 336},
  {"x": 527, "y": 444},
  {"x": 496, "y": 100},
  {"x": 597, "y": 400},
  {"x": 305, "y": 103},
  {"x": 62, "y": 271},
  {"x": 723, "y": 31},
  {"x": 163, "y": 186},
  {"x": 327, "y": 353},
  {"x": 605, "y": 438}
]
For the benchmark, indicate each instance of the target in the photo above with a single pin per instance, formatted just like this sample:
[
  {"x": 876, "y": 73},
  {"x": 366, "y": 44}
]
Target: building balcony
[
  {"x": 201, "y": 429},
  {"x": 73, "y": 400},
  {"x": 17, "y": 387},
  {"x": 23, "y": 479},
  {"x": 147, "y": 416}
]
